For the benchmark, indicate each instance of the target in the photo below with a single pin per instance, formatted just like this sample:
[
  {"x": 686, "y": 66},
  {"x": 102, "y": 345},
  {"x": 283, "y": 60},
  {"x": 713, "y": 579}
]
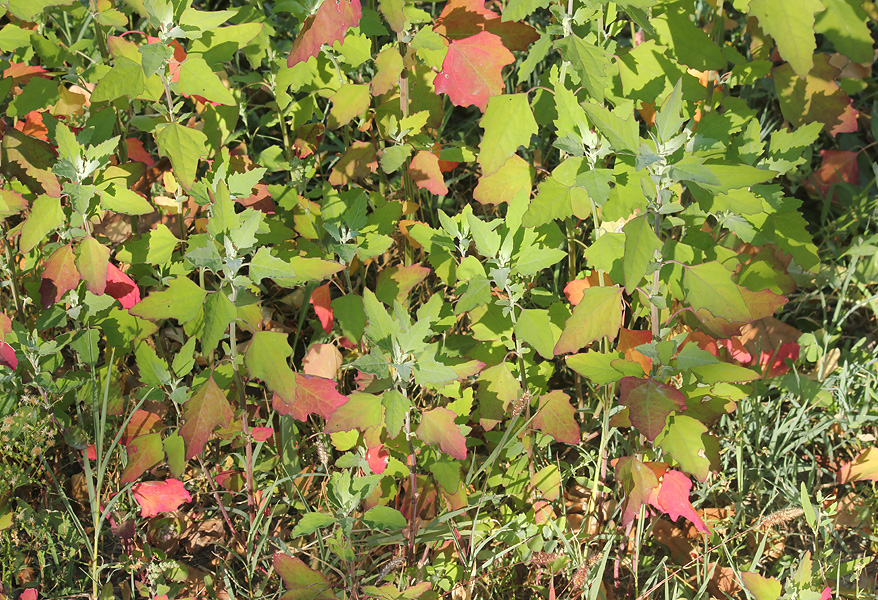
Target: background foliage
[{"x": 417, "y": 300}]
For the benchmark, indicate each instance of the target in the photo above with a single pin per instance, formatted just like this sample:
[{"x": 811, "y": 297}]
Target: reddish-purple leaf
[
  {"x": 156, "y": 497},
  {"x": 144, "y": 453},
  {"x": 59, "y": 276},
  {"x": 438, "y": 427},
  {"x": 261, "y": 434},
  {"x": 649, "y": 403},
  {"x": 425, "y": 172},
  {"x": 302, "y": 582},
  {"x": 321, "y": 301},
  {"x": 206, "y": 410},
  {"x": 556, "y": 417},
  {"x": 92, "y": 260},
  {"x": 316, "y": 395},
  {"x": 464, "y": 18},
  {"x": 472, "y": 70},
  {"x": 327, "y": 26},
  {"x": 121, "y": 287},
  {"x": 673, "y": 498},
  {"x": 377, "y": 457}
]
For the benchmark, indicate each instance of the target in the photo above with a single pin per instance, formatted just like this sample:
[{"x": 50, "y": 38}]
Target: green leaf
[
  {"x": 396, "y": 405},
  {"x": 591, "y": 63},
  {"x": 502, "y": 140},
  {"x": 206, "y": 410},
  {"x": 219, "y": 313},
  {"x": 311, "y": 522},
  {"x": 125, "y": 79},
  {"x": 182, "y": 300},
  {"x": 598, "y": 315},
  {"x": 620, "y": 132},
  {"x": 791, "y": 24},
  {"x": 266, "y": 359},
  {"x": 263, "y": 265},
  {"x": 844, "y": 22},
  {"x": 641, "y": 243},
  {"x": 602, "y": 368},
  {"x": 154, "y": 247},
  {"x": 175, "y": 450},
  {"x": 124, "y": 200},
  {"x": 517, "y": 10},
  {"x": 682, "y": 439},
  {"x": 198, "y": 79},
  {"x": 384, "y": 517},
  {"x": 309, "y": 269},
  {"x": 350, "y": 101},
  {"x": 535, "y": 328},
  {"x": 763, "y": 588},
  {"x": 45, "y": 216},
  {"x": 184, "y": 146},
  {"x": 688, "y": 44},
  {"x": 561, "y": 195}
]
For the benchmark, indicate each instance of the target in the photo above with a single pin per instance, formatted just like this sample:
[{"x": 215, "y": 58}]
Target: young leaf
[
  {"x": 649, "y": 403},
  {"x": 438, "y": 427},
  {"x": 471, "y": 71},
  {"x": 327, "y": 26},
  {"x": 207, "y": 409},
  {"x": 598, "y": 315},
  {"x": 182, "y": 300},
  {"x": 556, "y": 417}
]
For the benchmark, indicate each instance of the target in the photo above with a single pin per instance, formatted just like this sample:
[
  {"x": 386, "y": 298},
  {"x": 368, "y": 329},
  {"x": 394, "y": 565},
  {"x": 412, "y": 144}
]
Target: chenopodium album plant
[{"x": 631, "y": 179}]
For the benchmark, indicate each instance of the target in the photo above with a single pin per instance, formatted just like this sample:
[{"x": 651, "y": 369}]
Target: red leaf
[
  {"x": 316, "y": 395},
  {"x": 137, "y": 152},
  {"x": 121, "y": 287},
  {"x": 327, "y": 26},
  {"x": 33, "y": 126},
  {"x": 141, "y": 423},
  {"x": 672, "y": 497},
  {"x": 464, "y": 18},
  {"x": 156, "y": 497},
  {"x": 426, "y": 174},
  {"x": 91, "y": 452},
  {"x": 59, "y": 276},
  {"x": 203, "y": 412},
  {"x": 261, "y": 434},
  {"x": 144, "y": 453},
  {"x": 438, "y": 427},
  {"x": 837, "y": 166},
  {"x": 472, "y": 70},
  {"x": 628, "y": 340},
  {"x": 555, "y": 417},
  {"x": 30, "y": 594},
  {"x": 320, "y": 300},
  {"x": 7, "y": 356},
  {"x": 22, "y": 73},
  {"x": 378, "y": 457},
  {"x": 649, "y": 403},
  {"x": 826, "y": 594}
]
